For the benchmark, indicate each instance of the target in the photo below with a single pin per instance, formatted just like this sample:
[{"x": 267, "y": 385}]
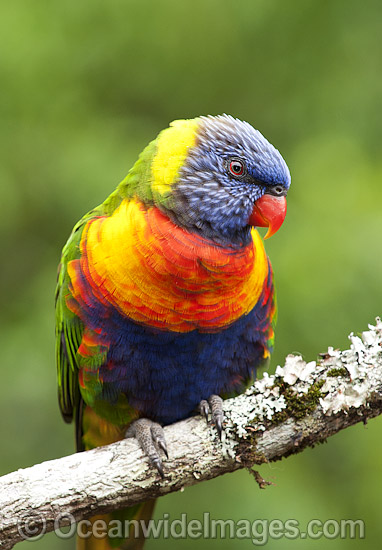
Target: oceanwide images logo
[{"x": 258, "y": 531}]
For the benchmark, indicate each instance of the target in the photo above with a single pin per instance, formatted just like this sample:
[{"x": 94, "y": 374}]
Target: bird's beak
[{"x": 269, "y": 211}]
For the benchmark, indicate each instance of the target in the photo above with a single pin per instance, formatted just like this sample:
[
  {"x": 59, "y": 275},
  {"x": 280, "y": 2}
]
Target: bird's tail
[{"x": 123, "y": 529}]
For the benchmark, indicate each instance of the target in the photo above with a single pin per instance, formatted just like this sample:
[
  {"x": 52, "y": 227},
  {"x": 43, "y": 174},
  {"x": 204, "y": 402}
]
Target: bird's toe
[
  {"x": 213, "y": 405},
  {"x": 151, "y": 438}
]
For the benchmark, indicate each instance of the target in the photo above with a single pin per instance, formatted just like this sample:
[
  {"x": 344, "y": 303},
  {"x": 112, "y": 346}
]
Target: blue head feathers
[{"x": 231, "y": 166}]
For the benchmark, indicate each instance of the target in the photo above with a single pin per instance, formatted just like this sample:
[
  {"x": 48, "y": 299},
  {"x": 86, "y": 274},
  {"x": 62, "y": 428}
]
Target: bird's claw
[
  {"x": 149, "y": 435},
  {"x": 157, "y": 433},
  {"x": 204, "y": 409},
  {"x": 214, "y": 404}
]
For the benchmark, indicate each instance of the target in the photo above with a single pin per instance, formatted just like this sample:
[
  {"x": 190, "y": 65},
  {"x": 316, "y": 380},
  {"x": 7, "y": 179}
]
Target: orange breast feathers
[{"x": 158, "y": 274}]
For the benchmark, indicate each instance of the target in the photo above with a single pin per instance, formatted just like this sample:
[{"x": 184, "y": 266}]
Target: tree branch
[{"x": 302, "y": 404}]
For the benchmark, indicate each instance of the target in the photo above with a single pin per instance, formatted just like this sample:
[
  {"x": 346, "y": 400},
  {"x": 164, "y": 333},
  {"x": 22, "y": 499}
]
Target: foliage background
[{"x": 84, "y": 86}]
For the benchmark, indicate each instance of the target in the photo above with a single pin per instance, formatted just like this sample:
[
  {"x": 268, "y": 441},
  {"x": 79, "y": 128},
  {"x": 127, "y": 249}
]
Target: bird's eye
[{"x": 237, "y": 167}]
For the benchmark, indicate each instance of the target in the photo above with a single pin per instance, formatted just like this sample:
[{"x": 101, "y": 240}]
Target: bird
[{"x": 165, "y": 300}]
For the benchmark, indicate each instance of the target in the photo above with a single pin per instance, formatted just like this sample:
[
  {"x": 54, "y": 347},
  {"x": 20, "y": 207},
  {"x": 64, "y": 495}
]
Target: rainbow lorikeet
[{"x": 165, "y": 300}]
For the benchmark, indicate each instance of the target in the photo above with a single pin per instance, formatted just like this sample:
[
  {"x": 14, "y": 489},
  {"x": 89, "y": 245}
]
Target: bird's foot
[
  {"x": 213, "y": 405},
  {"x": 150, "y": 436}
]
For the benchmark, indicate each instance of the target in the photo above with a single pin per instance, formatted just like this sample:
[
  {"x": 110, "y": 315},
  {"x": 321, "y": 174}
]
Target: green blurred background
[{"x": 84, "y": 87}]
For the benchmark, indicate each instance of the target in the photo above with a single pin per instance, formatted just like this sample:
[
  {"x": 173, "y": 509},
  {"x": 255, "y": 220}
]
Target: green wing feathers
[{"x": 69, "y": 330}]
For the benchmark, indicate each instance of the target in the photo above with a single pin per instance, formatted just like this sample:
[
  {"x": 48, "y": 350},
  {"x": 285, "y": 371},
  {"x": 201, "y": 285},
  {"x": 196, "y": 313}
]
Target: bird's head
[{"x": 219, "y": 176}]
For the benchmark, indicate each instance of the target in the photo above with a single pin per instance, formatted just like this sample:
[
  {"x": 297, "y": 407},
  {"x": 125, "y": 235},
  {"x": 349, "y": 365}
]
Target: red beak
[{"x": 268, "y": 211}]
